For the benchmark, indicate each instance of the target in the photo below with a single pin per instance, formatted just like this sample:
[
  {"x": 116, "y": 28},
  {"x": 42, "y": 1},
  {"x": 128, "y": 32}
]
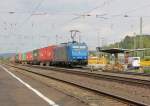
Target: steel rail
[{"x": 97, "y": 75}]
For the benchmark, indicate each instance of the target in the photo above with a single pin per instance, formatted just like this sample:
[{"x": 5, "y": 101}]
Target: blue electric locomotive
[{"x": 71, "y": 53}]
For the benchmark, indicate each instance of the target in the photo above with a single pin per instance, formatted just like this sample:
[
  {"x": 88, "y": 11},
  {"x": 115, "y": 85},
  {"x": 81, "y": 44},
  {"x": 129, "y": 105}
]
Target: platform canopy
[{"x": 111, "y": 50}]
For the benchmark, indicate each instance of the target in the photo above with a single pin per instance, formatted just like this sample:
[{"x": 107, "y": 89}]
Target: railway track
[
  {"x": 133, "y": 73},
  {"x": 93, "y": 75},
  {"x": 98, "y": 75}
]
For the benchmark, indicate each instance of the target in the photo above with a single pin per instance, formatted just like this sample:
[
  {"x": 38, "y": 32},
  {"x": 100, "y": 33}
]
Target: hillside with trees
[{"x": 134, "y": 42}]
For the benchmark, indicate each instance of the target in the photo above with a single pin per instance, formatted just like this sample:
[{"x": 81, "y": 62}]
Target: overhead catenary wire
[
  {"x": 29, "y": 17},
  {"x": 87, "y": 13},
  {"x": 131, "y": 11},
  {"x": 84, "y": 14},
  {"x": 26, "y": 19},
  {"x": 32, "y": 12}
]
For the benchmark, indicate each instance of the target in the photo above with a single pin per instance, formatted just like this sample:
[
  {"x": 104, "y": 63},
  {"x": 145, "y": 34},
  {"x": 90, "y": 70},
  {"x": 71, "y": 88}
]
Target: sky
[{"x": 29, "y": 24}]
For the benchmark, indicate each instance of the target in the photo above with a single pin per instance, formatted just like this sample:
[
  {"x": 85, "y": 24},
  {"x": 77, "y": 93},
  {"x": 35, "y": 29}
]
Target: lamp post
[
  {"x": 141, "y": 23},
  {"x": 140, "y": 33}
]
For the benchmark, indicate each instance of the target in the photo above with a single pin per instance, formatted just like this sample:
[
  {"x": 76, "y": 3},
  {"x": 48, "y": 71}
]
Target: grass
[{"x": 146, "y": 70}]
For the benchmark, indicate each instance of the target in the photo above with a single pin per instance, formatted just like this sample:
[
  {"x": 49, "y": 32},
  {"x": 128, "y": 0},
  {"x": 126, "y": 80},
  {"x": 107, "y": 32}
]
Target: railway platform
[
  {"x": 14, "y": 93},
  {"x": 18, "y": 89}
]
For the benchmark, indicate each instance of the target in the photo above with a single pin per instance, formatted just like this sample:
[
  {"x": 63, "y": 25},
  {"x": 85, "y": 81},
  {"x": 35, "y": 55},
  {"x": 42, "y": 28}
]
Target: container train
[{"x": 64, "y": 54}]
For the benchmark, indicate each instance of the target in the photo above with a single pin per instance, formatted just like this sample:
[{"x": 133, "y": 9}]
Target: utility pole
[
  {"x": 141, "y": 33},
  {"x": 141, "y": 25},
  {"x": 134, "y": 43},
  {"x": 98, "y": 40},
  {"x": 103, "y": 42},
  {"x": 56, "y": 39}
]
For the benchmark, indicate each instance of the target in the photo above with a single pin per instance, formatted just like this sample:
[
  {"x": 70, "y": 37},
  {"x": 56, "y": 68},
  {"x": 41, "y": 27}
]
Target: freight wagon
[
  {"x": 35, "y": 55},
  {"x": 46, "y": 55},
  {"x": 23, "y": 58},
  {"x": 16, "y": 58},
  {"x": 19, "y": 57},
  {"x": 29, "y": 57}
]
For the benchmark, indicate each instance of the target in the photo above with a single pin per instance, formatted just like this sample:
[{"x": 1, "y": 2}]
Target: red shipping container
[
  {"x": 20, "y": 57},
  {"x": 29, "y": 56},
  {"x": 46, "y": 54}
]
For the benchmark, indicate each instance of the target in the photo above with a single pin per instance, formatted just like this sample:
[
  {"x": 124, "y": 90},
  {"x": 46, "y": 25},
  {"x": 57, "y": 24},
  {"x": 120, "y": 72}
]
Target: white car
[{"x": 134, "y": 62}]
